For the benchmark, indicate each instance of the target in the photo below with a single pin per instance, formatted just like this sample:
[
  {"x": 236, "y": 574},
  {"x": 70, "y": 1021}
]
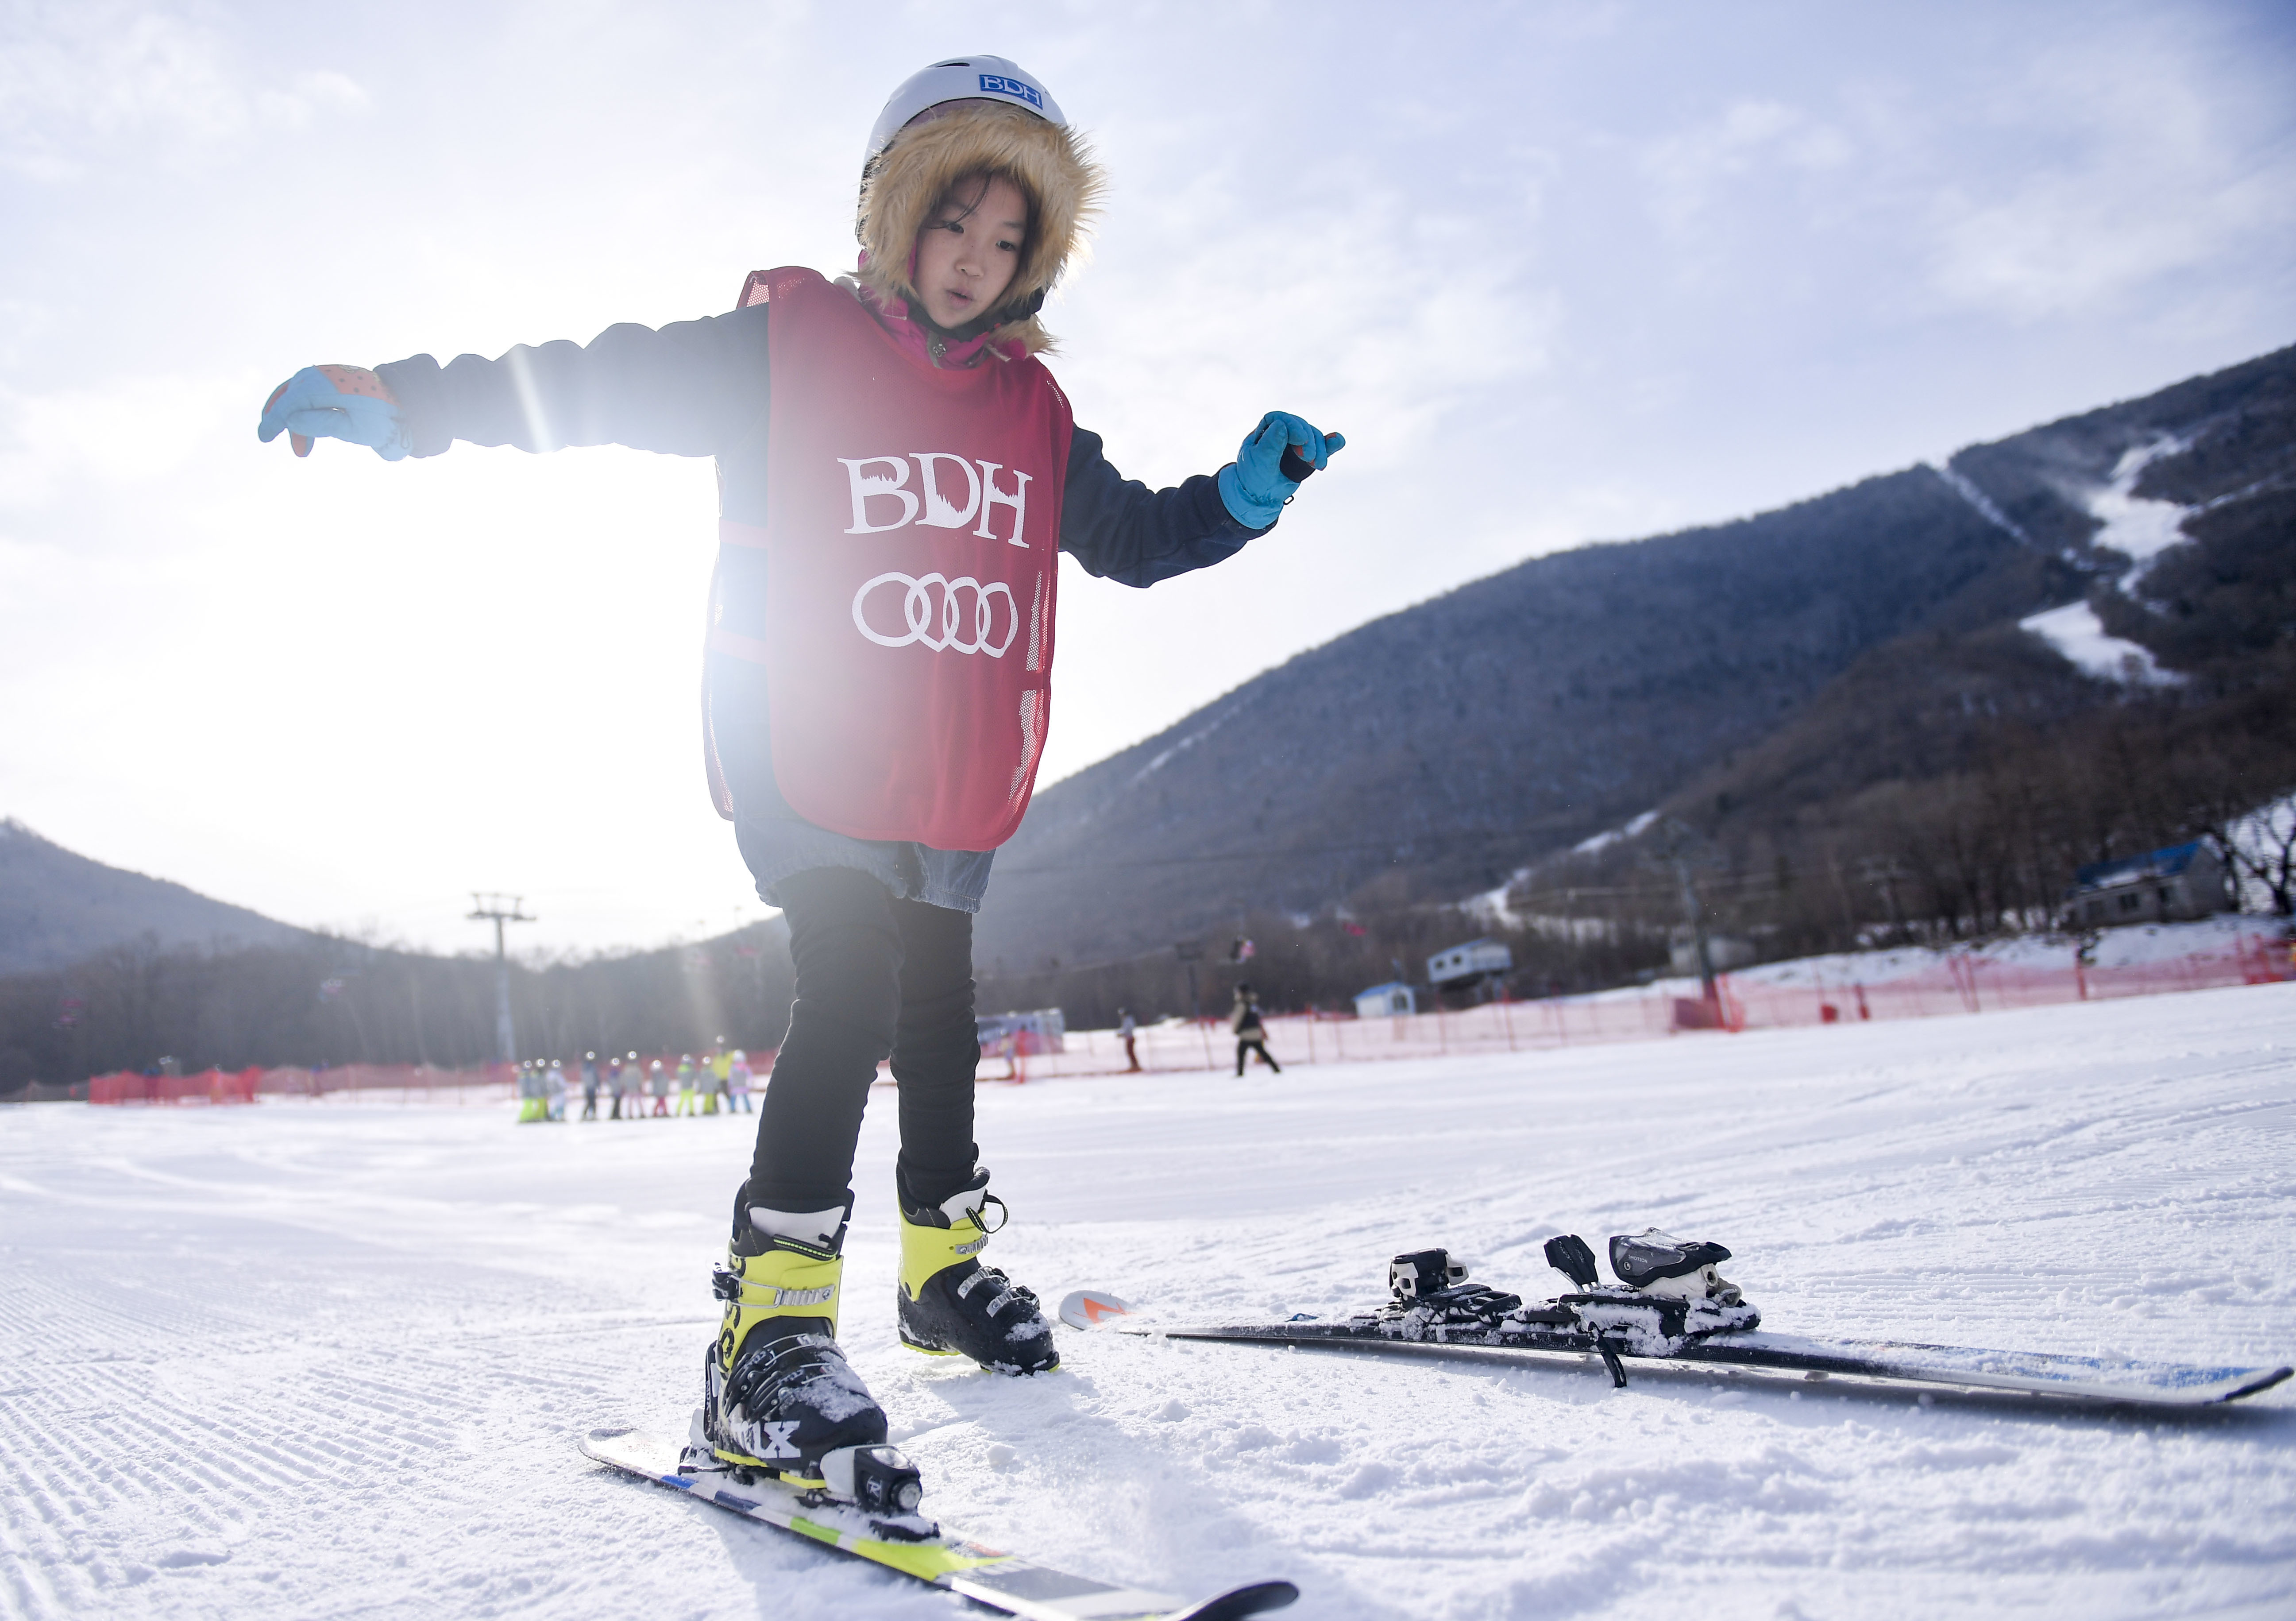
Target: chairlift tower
[
  {"x": 491, "y": 909},
  {"x": 1683, "y": 848},
  {"x": 1191, "y": 952}
]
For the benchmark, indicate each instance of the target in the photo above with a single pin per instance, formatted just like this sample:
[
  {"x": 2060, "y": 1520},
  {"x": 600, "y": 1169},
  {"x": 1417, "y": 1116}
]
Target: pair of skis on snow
[{"x": 1669, "y": 1306}]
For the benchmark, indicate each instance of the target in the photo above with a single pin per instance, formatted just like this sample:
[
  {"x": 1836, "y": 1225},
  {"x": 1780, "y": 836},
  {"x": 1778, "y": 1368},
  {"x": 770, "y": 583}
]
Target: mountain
[
  {"x": 57, "y": 908},
  {"x": 2175, "y": 516},
  {"x": 1777, "y": 666}
]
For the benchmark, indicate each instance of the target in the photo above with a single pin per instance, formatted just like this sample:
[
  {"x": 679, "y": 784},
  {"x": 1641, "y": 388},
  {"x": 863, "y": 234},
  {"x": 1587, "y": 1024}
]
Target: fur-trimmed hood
[{"x": 1046, "y": 161}]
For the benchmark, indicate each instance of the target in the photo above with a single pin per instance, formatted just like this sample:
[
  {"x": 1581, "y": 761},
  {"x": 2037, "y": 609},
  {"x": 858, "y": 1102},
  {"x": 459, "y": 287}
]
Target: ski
[
  {"x": 933, "y": 1554},
  {"x": 1671, "y": 1307}
]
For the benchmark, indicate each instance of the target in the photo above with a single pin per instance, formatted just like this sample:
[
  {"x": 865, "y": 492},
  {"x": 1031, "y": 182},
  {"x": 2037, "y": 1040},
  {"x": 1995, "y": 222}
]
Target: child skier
[{"x": 897, "y": 473}]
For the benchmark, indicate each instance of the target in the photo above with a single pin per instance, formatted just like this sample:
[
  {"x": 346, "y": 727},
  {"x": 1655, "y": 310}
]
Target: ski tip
[
  {"x": 2270, "y": 1378},
  {"x": 1090, "y": 1308},
  {"x": 1256, "y": 1599},
  {"x": 611, "y": 1444}
]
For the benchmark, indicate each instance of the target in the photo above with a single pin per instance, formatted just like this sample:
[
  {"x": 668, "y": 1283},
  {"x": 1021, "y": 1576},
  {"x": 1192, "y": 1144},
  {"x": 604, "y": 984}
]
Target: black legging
[{"x": 875, "y": 975}]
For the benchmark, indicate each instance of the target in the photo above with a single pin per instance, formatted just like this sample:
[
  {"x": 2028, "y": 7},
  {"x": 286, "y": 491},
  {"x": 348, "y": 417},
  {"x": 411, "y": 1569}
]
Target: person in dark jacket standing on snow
[
  {"x": 1250, "y": 1034},
  {"x": 898, "y": 474}
]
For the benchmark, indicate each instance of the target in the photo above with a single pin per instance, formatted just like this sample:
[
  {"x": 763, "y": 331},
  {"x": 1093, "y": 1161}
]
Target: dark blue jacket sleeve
[
  {"x": 691, "y": 389},
  {"x": 1121, "y": 530}
]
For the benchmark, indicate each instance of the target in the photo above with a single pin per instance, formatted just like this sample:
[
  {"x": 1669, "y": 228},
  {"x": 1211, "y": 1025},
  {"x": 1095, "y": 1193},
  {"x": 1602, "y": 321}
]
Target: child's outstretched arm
[
  {"x": 1121, "y": 530},
  {"x": 688, "y": 388}
]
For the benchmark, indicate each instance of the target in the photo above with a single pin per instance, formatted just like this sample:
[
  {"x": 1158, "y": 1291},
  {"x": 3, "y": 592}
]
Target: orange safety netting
[
  {"x": 222, "y": 1086},
  {"x": 1958, "y": 981}
]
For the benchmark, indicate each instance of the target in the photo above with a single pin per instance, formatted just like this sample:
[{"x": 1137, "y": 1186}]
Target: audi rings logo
[{"x": 957, "y": 615}]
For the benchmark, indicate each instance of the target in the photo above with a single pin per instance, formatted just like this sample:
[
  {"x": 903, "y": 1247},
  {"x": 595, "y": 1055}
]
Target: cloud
[
  {"x": 2160, "y": 162},
  {"x": 1690, "y": 172},
  {"x": 1381, "y": 316},
  {"x": 52, "y": 443},
  {"x": 75, "y": 79}
]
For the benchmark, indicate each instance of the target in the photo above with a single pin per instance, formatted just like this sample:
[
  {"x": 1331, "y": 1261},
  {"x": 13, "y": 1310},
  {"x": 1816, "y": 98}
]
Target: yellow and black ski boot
[
  {"x": 778, "y": 1395},
  {"x": 951, "y": 1305}
]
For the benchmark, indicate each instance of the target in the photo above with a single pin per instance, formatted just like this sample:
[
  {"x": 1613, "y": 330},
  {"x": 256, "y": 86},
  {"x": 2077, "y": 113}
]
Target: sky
[{"x": 1561, "y": 274}]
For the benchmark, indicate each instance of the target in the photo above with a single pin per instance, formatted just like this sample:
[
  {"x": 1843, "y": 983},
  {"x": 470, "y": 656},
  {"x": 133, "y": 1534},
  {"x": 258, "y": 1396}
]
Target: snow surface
[
  {"x": 2077, "y": 634},
  {"x": 1969, "y": 492},
  {"x": 2133, "y": 946},
  {"x": 1491, "y": 904},
  {"x": 2140, "y": 529},
  {"x": 1633, "y": 829},
  {"x": 325, "y": 1359}
]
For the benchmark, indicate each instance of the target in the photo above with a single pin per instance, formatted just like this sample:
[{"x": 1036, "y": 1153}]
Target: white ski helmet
[
  {"x": 963, "y": 79},
  {"x": 976, "y": 115}
]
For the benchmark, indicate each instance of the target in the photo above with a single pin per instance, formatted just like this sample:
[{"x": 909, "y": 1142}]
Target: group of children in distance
[{"x": 717, "y": 1079}]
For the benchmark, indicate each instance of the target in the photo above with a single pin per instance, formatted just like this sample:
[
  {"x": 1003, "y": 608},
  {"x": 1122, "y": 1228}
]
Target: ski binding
[{"x": 1670, "y": 1305}]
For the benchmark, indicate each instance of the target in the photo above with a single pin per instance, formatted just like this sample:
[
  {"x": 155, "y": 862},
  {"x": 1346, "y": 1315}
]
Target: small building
[
  {"x": 1463, "y": 965},
  {"x": 1385, "y": 1001},
  {"x": 2161, "y": 886}
]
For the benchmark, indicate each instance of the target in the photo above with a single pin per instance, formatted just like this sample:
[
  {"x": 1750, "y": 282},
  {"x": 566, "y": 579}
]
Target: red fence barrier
[
  {"x": 401, "y": 1083},
  {"x": 223, "y": 1086},
  {"x": 1809, "y": 992},
  {"x": 208, "y": 1086},
  {"x": 405, "y": 1079}
]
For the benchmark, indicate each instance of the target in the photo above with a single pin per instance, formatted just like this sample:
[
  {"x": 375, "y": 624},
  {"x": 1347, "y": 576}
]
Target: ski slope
[{"x": 320, "y": 1359}]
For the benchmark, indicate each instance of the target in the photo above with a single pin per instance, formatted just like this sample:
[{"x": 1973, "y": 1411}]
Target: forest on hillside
[
  {"x": 327, "y": 1001},
  {"x": 1970, "y": 853}
]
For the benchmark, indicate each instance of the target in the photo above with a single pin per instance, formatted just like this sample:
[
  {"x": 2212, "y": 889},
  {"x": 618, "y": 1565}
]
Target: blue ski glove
[
  {"x": 1274, "y": 459},
  {"x": 335, "y": 402}
]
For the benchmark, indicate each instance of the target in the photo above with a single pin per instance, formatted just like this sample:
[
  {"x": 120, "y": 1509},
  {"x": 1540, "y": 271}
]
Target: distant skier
[
  {"x": 685, "y": 1084},
  {"x": 1250, "y": 1034},
  {"x": 737, "y": 1083},
  {"x": 898, "y": 474},
  {"x": 618, "y": 1081},
  {"x": 1127, "y": 1031},
  {"x": 589, "y": 1086},
  {"x": 658, "y": 1084},
  {"x": 554, "y": 1089}
]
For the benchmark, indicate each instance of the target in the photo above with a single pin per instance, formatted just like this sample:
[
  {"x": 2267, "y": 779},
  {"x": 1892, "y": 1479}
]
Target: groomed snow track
[{"x": 331, "y": 1359}]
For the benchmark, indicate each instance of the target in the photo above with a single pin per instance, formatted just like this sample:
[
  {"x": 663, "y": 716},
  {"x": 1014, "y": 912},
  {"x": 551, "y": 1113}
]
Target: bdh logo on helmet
[
  {"x": 918, "y": 601},
  {"x": 996, "y": 84},
  {"x": 929, "y": 504}
]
